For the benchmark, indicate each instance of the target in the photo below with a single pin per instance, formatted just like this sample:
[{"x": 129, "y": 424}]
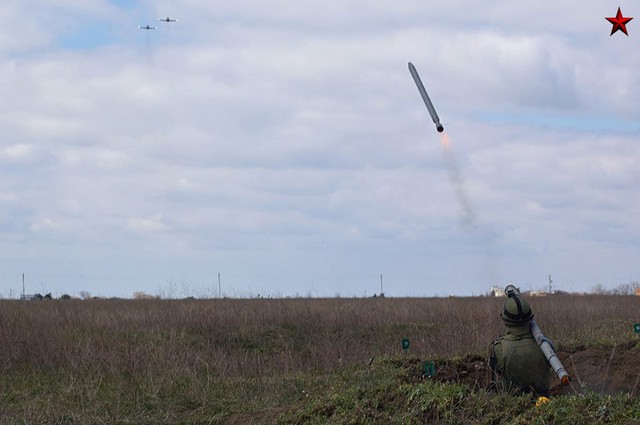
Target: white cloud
[
  {"x": 45, "y": 224},
  {"x": 147, "y": 225},
  {"x": 19, "y": 152}
]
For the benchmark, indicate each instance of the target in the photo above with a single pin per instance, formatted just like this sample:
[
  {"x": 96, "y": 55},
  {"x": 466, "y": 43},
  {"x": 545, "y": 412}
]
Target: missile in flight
[{"x": 425, "y": 97}]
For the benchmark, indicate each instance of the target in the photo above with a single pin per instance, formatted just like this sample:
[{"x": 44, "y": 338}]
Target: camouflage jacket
[{"x": 518, "y": 364}]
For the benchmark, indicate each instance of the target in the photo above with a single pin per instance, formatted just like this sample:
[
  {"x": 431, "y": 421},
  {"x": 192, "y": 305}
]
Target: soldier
[{"x": 516, "y": 362}]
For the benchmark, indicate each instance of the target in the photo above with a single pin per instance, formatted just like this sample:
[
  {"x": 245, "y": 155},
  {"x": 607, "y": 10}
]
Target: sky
[{"x": 278, "y": 148}]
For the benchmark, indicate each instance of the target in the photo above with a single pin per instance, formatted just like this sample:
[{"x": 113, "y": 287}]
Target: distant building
[
  {"x": 538, "y": 293},
  {"x": 144, "y": 296},
  {"x": 638, "y": 292},
  {"x": 497, "y": 291}
]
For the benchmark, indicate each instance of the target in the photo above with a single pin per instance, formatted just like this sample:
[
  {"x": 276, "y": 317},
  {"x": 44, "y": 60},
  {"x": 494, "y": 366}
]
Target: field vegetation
[{"x": 303, "y": 361}]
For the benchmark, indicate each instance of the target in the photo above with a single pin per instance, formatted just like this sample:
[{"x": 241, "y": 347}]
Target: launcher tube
[{"x": 549, "y": 353}]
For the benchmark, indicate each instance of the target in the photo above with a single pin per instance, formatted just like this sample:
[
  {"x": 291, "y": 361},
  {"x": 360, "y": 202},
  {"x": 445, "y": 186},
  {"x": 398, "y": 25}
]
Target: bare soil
[{"x": 603, "y": 371}]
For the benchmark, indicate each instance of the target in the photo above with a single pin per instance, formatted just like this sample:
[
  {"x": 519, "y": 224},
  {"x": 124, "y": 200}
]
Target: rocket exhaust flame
[{"x": 444, "y": 140}]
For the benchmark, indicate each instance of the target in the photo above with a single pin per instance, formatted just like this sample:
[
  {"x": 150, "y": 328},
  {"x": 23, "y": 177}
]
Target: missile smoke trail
[
  {"x": 457, "y": 182},
  {"x": 468, "y": 214}
]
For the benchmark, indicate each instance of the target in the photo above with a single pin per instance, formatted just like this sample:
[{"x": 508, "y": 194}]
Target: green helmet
[{"x": 516, "y": 311}]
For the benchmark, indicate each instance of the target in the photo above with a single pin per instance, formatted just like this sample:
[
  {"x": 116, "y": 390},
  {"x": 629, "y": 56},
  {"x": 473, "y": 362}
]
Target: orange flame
[{"x": 444, "y": 139}]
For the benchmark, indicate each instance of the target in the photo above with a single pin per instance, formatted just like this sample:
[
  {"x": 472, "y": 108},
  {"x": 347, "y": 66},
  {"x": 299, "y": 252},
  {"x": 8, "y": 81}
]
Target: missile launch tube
[
  {"x": 425, "y": 98},
  {"x": 549, "y": 353}
]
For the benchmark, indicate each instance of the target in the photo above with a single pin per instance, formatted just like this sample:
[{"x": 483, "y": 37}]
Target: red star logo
[{"x": 619, "y": 23}]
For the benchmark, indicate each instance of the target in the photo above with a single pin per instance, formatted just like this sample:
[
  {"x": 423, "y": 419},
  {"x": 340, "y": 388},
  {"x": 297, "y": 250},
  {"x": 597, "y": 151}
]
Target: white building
[{"x": 497, "y": 291}]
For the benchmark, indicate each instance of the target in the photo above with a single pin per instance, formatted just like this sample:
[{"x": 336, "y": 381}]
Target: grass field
[{"x": 303, "y": 361}]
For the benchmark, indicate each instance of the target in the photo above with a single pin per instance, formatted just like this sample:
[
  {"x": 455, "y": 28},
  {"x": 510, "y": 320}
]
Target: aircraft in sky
[
  {"x": 140, "y": 27},
  {"x": 167, "y": 19}
]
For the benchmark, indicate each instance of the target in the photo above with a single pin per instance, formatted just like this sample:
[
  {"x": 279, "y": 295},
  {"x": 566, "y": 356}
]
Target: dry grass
[
  {"x": 232, "y": 337},
  {"x": 105, "y": 358}
]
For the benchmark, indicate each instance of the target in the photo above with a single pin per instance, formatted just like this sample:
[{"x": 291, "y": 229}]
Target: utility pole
[
  {"x": 550, "y": 282},
  {"x": 23, "y": 294},
  {"x": 381, "y": 288},
  {"x": 219, "y": 287}
]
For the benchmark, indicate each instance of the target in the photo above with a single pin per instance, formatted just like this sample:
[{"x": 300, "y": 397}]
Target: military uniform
[{"x": 517, "y": 362}]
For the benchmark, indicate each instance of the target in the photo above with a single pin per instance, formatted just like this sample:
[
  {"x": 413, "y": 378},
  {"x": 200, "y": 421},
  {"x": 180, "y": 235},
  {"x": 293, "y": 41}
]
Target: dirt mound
[{"x": 603, "y": 371}]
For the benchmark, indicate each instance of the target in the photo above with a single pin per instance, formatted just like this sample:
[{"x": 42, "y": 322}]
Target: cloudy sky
[{"x": 285, "y": 146}]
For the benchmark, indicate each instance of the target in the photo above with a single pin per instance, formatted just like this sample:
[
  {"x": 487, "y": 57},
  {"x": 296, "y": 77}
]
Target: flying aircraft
[
  {"x": 140, "y": 27},
  {"x": 167, "y": 19}
]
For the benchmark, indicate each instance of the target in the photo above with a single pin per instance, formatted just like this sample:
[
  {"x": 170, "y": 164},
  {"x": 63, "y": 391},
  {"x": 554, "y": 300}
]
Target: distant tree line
[
  {"x": 86, "y": 295},
  {"x": 47, "y": 296},
  {"x": 622, "y": 289}
]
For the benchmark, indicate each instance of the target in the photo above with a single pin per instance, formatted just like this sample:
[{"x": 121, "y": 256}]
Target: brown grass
[
  {"x": 183, "y": 354},
  {"x": 232, "y": 337}
]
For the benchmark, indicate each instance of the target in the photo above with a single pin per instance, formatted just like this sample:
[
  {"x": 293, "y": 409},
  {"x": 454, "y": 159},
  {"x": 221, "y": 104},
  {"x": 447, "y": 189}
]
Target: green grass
[{"x": 388, "y": 392}]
